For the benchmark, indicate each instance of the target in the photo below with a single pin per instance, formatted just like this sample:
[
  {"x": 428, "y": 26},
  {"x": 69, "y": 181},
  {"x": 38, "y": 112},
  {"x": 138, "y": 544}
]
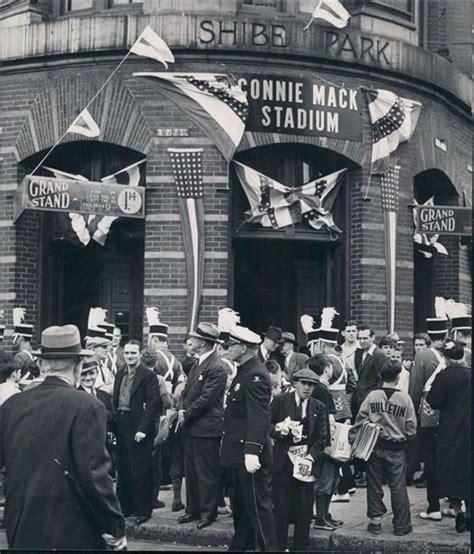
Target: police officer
[{"x": 246, "y": 445}]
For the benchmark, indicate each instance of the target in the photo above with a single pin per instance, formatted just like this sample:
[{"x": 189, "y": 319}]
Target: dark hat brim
[
  {"x": 52, "y": 355},
  {"x": 207, "y": 338}
]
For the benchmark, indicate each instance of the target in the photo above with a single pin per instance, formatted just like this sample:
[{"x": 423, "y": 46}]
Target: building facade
[{"x": 308, "y": 118}]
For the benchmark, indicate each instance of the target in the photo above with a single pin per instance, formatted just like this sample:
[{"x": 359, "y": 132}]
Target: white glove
[
  {"x": 251, "y": 463},
  {"x": 283, "y": 427}
]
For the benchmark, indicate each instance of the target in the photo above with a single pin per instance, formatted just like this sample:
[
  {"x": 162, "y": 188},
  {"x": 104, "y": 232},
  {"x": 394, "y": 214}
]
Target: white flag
[
  {"x": 84, "y": 124},
  {"x": 150, "y": 45},
  {"x": 331, "y": 11}
]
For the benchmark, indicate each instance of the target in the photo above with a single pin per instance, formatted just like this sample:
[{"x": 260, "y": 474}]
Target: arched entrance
[
  {"x": 432, "y": 275},
  {"x": 73, "y": 277},
  {"x": 281, "y": 274}
]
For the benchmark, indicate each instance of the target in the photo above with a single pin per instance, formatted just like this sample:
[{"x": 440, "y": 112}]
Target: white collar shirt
[
  {"x": 204, "y": 357},
  {"x": 304, "y": 404}
]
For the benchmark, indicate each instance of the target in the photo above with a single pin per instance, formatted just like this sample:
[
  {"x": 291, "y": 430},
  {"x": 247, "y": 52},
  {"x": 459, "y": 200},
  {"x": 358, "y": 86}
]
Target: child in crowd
[
  {"x": 393, "y": 411},
  {"x": 327, "y": 470}
]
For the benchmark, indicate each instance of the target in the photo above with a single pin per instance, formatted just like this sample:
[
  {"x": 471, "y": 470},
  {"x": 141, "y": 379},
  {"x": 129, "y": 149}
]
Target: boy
[{"x": 393, "y": 411}]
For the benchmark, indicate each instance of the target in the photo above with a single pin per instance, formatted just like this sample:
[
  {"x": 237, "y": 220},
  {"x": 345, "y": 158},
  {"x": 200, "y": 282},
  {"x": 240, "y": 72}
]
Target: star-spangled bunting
[
  {"x": 393, "y": 120},
  {"x": 390, "y": 182},
  {"x": 275, "y": 205},
  {"x": 187, "y": 171},
  {"x": 213, "y": 101}
]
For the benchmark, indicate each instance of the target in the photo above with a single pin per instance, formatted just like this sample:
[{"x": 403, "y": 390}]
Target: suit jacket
[
  {"x": 297, "y": 362},
  {"x": 277, "y": 356},
  {"x": 145, "y": 400},
  {"x": 203, "y": 398},
  {"x": 54, "y": 420},
  {"x": 283, "y": 406},
  {"x": 106, "y": 400},
  {"x": 368, "y": 372},
  {"x": 424, "y": 365},
  {"x": 247, "y": 416},
  {"x": 118, "y": 359}
]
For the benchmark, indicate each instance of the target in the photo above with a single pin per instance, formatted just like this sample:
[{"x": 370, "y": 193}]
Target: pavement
[{"x": 427, "y": 537}]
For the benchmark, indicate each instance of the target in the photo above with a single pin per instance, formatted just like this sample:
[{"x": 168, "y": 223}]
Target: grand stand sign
[
  {"x": 51, "y": 194},
  {"x": 444, "y": 220}
]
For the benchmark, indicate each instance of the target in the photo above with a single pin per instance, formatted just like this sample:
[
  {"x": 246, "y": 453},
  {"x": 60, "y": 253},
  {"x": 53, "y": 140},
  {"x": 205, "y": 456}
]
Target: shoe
[
  {"x": 322, "y": 523},
  {"x": 401, "y": 532},
  {"x": 186, "y": 518},
  {"x": 332, "y": 521},
  {"x": 420, "y": 484},
  {"x": 224, "y": 510},
  {"x": 204, "y": 523},
  {"x": 158, "y": 504},
  {"x": 434, "y": 516},
  {"x": 352, "y": 491},
  {"x": 177, "y": 506},
  {"x": 374, "y": 528},
  {"x": 461, "y": 523},
  {"x": 341, "y": 497},
  {"x": 449, "y": 512},
  {"x": 141, "y": 519}
]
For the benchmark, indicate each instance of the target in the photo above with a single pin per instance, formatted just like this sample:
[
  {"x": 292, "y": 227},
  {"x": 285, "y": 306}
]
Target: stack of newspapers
[{"x": 365, "y": 440}]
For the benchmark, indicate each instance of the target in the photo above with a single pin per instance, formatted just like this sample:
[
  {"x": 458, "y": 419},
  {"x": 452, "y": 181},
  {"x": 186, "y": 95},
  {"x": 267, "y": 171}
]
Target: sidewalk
[{"x": 352, "y": 536}]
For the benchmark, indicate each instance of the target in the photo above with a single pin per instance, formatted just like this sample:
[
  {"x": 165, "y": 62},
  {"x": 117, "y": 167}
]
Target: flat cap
[{"x": 305, "y": 374}]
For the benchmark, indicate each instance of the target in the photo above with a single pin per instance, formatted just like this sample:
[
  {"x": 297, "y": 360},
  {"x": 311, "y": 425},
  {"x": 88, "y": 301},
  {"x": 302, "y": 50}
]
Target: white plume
[
  {"x": 97, "y": 316},
  {"x": 456, "y": 309},
  {"x": 327, "y": 317},
  {"x": 153, "y": 316},
  {"x": 226, "y": 319},
  {"x": 19, "y": 315},
  {"x": 2, "y": 314},
  {"x": 440, "y": 307},
  {"x": 307, "y": 323}
]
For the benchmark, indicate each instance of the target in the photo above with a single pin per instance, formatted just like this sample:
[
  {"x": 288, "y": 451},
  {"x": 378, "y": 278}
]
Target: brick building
[{"x": 55, "y": 54}]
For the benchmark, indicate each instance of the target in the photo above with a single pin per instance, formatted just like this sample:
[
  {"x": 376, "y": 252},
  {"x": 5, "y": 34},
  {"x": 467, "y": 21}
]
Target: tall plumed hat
[
  {"x": 459, "y": 314},
  {"x": 437, "y": 326},
  {"x": 157, "y": 328},
  {"x": 95, "y": 324},
  {"x": 327, "y": 331},
  {"x": 20, "y": 328},
  {"x": 309, "y": 328},
  {"x": 226, "y": 319}
]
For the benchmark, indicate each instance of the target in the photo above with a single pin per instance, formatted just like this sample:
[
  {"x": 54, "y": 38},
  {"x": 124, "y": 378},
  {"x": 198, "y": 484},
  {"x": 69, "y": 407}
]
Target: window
[
  {"x": 265, "y": 5},
  {"x": 76, "y": 5},
  {"x": 113, "y": 3},
  {"x": 404, "y": 9}
]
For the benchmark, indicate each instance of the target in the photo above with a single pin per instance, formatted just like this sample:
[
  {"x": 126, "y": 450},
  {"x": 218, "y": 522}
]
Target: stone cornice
[{"x": 33, "y": 46}]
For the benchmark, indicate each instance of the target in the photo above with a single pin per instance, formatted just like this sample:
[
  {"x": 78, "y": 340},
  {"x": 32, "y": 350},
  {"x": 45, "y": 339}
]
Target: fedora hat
[
  {"x": 288, "y": 337},
  {"x": 61, "y": 342},
  {"x": 274, "y": 333},
  {"x": 92, "y": 342},
  {"x": 206, "y": 331}
]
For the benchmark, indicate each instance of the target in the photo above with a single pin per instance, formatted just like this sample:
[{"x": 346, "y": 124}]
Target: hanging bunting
[
  {"x": 187, "y": 170},
  {"x": 214, "y": 102}
]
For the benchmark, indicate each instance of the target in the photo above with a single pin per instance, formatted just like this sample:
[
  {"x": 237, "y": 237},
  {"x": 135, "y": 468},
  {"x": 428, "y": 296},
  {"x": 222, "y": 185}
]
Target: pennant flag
[
  {"x": 214, "y": 102},
  {"x": 331, "y": 11},
  {"x": 84, "y": 124},
  {"x": 150, "y": 45},
  {"x": 275, "y": 205},
  {"x": 424, "y": 245},
  {"x": 187, "y": 170},
  {"x": 390, "y": 182},
  {"x": 393, "y": 120},
  {"x": 74, "y": 224}
]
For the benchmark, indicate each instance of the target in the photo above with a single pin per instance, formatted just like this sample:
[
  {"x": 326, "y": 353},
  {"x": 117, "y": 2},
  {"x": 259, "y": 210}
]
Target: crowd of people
[{"x": 247, "y": 422}]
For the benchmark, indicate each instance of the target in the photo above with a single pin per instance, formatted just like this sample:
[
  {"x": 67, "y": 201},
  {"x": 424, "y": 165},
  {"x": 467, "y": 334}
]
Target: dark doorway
[{"x": 276, "y": 281}]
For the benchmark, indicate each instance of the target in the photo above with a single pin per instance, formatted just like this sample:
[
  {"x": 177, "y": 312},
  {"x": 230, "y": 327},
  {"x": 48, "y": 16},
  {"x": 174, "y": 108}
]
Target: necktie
[{"x": 299, "y": 410}]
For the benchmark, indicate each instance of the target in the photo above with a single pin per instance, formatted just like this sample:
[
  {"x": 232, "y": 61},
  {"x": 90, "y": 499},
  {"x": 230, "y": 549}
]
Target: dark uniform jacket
[
  {"x": 368, "y": 372},
  {"x": 145, "y": 400},
  {"x": 203, "y": 398},
  {"x": 283, "y": 406},
  {"x": 247, "y": 416},
  {"x": 54, "y": 420}
]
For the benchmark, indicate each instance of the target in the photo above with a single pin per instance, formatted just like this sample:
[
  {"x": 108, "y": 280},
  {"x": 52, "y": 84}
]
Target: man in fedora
[
  {"x": 294, "y": 361},
  {"x": 201, "y": 414},
  {"x": 304, "y": 438},
  {"x": 50, "y": 424},
  {"x": 269, "y": 349}
]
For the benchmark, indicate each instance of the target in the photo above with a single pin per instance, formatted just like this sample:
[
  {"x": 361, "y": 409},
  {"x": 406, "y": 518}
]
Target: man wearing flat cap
[
  {"x": 53, "y": 424},
  {"x": 246, "y": 445},
  {"x": 201, "y": 413},
  {"x": 299, "y": 428}
]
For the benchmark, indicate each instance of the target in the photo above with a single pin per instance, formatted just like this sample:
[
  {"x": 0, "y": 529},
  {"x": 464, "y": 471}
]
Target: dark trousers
[
  {"x": 429, "y": 439},
  {"x": 134, "y": 470},
  {"x": 292, "y": 503},
  {"x": 202, "y": 474},
  {"x": 347, "y": 479},
  {"x": 390, "y": 464},
  {"x": 252, "y": 511},
  {"x": 157, "y": 471}
]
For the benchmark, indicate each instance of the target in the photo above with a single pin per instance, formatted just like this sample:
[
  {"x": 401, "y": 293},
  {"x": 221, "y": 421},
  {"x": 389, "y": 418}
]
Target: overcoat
[
  {"x": 203, "y": 398},
  {"x": 451, "y": 395},
  {"x": 54, "y": 420}
]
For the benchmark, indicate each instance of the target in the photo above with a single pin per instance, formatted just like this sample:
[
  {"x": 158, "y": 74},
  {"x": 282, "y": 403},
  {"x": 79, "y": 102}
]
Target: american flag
[
  {"x": 390, "y": 183},
  {"x": 215, "y": 102},
  {"x": 393, "y": 121},
  {"x": 187, "y": 170}
]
